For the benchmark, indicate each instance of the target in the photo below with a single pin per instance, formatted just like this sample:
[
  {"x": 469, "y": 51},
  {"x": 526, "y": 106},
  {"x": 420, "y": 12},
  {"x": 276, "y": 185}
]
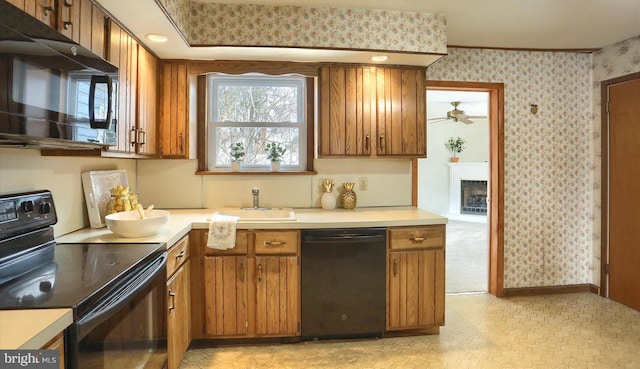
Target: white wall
[
  {"x": 25, "y": 170},
  {"x": 433, "y": 172}
]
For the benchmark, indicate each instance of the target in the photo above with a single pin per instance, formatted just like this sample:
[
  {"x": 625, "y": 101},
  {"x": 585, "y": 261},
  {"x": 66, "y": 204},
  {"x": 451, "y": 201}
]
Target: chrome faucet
[{"x": 256, "y": 197}]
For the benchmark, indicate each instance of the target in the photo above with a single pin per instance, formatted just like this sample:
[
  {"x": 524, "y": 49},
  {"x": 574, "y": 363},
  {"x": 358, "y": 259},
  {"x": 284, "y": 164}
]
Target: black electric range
[
  {"x": 106, "y": 285},
  {"x": 37, "y": 272}
]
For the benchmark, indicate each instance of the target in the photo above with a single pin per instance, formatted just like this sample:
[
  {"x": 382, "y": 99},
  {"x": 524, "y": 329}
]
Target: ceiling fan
[{"x": 457, "y": 115}]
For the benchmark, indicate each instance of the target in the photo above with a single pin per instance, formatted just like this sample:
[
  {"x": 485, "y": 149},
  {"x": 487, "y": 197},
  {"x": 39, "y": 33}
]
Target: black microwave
[{"x": 53, "y": 92}]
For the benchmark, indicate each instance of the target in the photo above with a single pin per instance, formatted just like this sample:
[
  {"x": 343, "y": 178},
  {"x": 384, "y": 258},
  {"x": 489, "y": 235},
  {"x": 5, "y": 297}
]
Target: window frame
[
  {"x": 202, "y": 107},
  {"x": 214, "y": 80}
]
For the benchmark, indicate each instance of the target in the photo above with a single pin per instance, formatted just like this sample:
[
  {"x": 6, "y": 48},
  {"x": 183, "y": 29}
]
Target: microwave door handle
[
  {"x": 95, "y": 80},
  {"x": 122, "y": 296}
]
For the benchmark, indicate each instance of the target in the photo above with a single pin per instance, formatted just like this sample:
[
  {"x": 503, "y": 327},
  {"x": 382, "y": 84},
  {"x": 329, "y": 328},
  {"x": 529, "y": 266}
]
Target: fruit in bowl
[{"x": 130, "y": 224}]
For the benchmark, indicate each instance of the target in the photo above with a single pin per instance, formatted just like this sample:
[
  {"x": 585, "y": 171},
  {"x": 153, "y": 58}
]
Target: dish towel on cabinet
[{"x": 222, "y": 232}]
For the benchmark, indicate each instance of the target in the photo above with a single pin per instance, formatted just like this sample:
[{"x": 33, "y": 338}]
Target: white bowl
[{"x": 129, "y": 223}]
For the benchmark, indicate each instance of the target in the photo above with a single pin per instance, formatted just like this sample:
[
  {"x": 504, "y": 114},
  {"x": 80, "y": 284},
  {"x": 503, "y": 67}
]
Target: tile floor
[
  {"x": 467, "y": 268},
  {"x": 579, "y": 330}
]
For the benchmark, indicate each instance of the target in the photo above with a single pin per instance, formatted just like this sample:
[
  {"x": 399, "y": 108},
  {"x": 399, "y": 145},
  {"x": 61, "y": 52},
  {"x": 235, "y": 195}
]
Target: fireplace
[
  {"x": 468, "y": 191},
  {"x": 473, "y": 198}
]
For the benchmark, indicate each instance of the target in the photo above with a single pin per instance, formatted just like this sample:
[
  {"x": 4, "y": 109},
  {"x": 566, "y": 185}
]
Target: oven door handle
[{"x": 126, "y": 291}]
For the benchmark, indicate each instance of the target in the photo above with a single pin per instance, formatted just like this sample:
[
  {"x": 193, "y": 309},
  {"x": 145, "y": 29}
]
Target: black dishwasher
[{"x": 343, "y": 283}]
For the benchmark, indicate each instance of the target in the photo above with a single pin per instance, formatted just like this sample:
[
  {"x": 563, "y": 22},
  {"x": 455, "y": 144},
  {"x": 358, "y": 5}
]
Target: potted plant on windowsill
[
  {"x": 455, "y": 146},
  {"x": 275, "y": 151},
  {"x": 237, "y": 153}
]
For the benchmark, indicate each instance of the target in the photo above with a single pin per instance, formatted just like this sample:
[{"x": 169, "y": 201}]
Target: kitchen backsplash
[
  {"x": 172, "y": 184},
  {"x": 25, "y": 170}
]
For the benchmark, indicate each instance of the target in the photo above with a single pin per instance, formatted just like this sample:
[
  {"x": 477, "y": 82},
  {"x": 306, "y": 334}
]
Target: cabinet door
[
  {"x": 401, "y": 114},
  {"x": 69, "y": 19},
  {"x": 226, "y": 295},
  {"x": 174, "y": 118},
  {"x": 347, "y": 111},
  {"x": 277, "y": 296},
  {"x": 127, "y": 94},
  {"x": 57, "y": 343},
  {"x": 147, "y": 104},
  {"x": 179, "y": 315},
  {"x": 416, "y": 289},
  {"x": 98, "y": 19}
]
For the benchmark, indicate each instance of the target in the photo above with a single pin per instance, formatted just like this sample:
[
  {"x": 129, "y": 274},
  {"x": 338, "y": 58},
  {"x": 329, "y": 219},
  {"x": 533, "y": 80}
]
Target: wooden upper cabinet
[
  {"x": 147, "y": 102},
  {"x": 347, "y": 111},
  {"x": 174, "y": 110},
  {"x": 401, "y": 112},
  {"x": 124, "y": 54},
  {"x": 370, "y": 111}
]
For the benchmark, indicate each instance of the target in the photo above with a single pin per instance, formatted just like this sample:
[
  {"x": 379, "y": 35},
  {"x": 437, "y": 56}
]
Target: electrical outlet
[{"x": 364, "y": 183}]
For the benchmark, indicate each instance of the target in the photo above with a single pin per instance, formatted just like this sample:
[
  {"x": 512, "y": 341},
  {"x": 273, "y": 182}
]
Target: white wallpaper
[
  {"x": 548, "y": 161},
  {"x": 611, "y": 62}
]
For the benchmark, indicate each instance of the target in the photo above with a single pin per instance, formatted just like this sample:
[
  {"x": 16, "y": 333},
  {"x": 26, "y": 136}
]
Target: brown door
[{"x": 624, "y": 198}]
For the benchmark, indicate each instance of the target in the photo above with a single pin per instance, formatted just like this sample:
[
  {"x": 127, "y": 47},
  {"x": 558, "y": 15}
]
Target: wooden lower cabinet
[
  {"x": 277, "y": 296},
  {"x": 226, "y": 295},
  {"x": 178, "y": 303},
  {"x": 252, "y": 290},
  {"x": 415, "y": 277},
  {"x": 57, "y": 343}
]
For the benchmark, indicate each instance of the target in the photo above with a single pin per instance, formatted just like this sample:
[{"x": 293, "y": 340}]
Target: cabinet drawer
[
  {"x": 177, "y": 254},
  {"x": 277, "y": 242},
  {"x": 242, "y": 242},
  {"x": 421, "y": 237}
]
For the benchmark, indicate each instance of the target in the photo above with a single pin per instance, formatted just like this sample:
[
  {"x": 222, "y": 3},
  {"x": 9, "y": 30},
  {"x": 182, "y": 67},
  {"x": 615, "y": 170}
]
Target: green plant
[
  {"x": 275, "y": 151},
  {"x": 456, "y": 145},
  {"x": 237, "y": 151}
]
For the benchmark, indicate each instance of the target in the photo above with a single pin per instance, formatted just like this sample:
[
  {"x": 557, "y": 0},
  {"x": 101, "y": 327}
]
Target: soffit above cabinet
[{"x": 208, "y": 31}]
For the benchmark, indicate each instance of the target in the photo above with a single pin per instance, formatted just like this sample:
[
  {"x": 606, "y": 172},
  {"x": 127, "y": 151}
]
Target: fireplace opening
[{"x": 473, "y": 197}]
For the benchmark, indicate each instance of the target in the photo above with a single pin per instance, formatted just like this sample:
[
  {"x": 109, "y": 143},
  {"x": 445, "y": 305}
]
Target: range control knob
[
  {"x": 45, "y": 207},
  {"x": 45, "y": 286},
  {"x": 27, "y": 206}
]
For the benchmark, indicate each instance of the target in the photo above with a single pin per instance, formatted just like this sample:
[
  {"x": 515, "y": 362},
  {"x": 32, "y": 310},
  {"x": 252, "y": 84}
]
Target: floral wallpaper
[
  {"x": 178, "y": 12},
  {"x": 548, "y": 160},
  {"x": 308, "y": 27},
  {"x": 613, "y": 61}
]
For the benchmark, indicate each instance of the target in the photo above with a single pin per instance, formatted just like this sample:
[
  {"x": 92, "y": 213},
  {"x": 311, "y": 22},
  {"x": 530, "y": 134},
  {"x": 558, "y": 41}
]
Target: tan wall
[{"x": 25, "y": 170}]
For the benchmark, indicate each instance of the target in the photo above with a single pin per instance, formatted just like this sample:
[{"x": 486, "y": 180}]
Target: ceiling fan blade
[
  {"x": 465, "y": 120},
  {"x": 477, "y": 116},
  {"x": 439, "y": 118}
]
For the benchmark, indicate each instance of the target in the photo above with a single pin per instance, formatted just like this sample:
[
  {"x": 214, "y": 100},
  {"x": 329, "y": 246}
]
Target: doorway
[
  {"x": 496, "y": 175},
  {"x": 620, "y": 202}
]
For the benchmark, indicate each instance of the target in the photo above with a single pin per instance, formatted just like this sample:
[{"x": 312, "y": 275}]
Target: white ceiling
[
  {"x": 533, "y": 24},
  {"x": 472, "y": 103}
]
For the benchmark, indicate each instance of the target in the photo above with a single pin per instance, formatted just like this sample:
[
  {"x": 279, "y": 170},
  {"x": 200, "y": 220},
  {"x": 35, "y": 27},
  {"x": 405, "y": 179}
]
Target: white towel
[{"x": 222, "y": 232}]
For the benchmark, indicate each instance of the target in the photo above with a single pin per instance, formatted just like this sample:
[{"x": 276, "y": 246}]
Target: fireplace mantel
[{"x": 472, "y": 171}]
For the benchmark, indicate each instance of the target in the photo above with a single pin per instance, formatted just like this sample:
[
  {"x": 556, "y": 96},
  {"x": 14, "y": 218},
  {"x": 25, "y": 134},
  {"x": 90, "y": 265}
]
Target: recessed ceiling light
[
  {"x": 379, "y": 58},
  {"x": 156, "y": 37}
]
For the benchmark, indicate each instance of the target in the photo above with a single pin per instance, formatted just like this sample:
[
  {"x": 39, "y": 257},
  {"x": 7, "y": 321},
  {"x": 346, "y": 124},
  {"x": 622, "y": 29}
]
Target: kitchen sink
[{"x": 260, "y": 214}]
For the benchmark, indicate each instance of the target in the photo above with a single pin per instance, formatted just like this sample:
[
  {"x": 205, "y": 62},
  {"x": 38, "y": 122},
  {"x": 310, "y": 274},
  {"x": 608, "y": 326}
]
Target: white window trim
[{"x": 258, "y": 79}]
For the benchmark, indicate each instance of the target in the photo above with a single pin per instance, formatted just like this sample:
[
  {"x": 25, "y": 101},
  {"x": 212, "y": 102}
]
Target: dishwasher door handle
[{"x": 343, "y": 238}]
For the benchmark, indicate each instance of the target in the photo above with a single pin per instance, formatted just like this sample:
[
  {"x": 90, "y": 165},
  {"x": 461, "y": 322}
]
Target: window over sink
[{"x": 256, "y": 110}]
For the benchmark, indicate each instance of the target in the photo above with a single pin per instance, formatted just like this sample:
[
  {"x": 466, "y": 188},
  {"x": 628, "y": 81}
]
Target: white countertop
[
  {"x": 181, "y": 221},
  {"x": 31, "y": 329}
]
